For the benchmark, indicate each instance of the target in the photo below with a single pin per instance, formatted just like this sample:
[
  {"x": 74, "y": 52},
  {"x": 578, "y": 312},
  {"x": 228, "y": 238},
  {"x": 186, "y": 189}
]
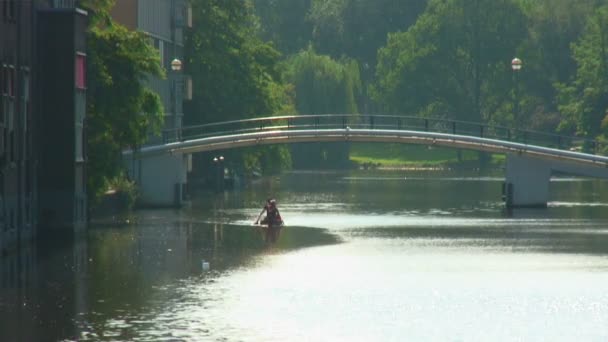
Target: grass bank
[{"x": 415, "y": 156}]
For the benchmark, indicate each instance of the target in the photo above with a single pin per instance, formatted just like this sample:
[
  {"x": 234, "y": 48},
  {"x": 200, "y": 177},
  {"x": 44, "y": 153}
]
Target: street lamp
[
  {"x": 176, "y": 68},
  {"x": 516, "y": 65},
  {"x": 176, "y": 65},
  {"x": 219, "y": 172}
]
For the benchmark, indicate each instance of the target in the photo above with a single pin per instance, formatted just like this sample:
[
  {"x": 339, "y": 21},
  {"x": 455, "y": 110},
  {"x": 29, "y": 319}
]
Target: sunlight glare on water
[
  {"x": 411, "y": 271},
  {"x": 378, "y": 259},
  {"x": 371, "y": 290}
]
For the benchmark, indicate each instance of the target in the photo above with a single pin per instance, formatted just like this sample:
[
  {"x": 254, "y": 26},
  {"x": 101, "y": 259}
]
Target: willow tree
[
  {"x": 358, "y": 28},
  {"x": 323, "y": 86}
]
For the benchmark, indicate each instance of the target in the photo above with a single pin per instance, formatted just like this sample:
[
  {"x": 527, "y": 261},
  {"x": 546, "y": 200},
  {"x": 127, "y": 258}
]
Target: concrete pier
[
  {"x": 527, "y": 179},
  {"x": 526, "y": 182},
  {"x": 161, "y": 179}
]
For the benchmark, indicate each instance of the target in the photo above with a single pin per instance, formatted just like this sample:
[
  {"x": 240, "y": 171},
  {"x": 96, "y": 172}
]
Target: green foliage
[
  {"x": 584, "y": 101},
  {"x": 126, "y": 188},
  {"x": 553, "y": 25},
  {"x": 323, "y": 86},
  {"x": 235, "y": 74},
  {"x": 399, "y": 155},
  {"x": 98, "y": 11},
  {"x": 121, "y": 111},
  {"x": 337, "y": 28},
  {"x": 270, "y": 159},
  {"x": 428, "y": 57},
  {"x": 454, "y": 61},
  {"x": 284, "y": 22},
  {"x": 357, "y": 28},
  {"x": 455, "y": 58}
]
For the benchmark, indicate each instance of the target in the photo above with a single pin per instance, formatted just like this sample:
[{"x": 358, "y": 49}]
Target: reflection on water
[
  {"x": 42, "y": 293},
  {"x": 362, "y": 258}
]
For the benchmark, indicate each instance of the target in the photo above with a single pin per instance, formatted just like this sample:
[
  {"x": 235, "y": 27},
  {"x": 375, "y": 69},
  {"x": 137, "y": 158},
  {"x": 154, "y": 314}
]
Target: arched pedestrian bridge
[{"x": 531, "y": 156}]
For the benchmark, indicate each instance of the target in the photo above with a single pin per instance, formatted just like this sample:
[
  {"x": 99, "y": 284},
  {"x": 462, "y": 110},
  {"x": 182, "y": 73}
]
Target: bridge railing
[{"x": 386, "y": 122}]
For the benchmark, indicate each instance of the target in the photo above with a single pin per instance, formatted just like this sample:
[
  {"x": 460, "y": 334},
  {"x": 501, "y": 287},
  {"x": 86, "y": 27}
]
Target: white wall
[{"x": 157, "y": 178}]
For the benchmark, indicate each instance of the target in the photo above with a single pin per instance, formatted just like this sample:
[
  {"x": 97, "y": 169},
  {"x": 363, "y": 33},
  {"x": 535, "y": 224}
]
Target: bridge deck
[
  {"x": 230, "y": 141},
  {"x": 377, "y": 128}
]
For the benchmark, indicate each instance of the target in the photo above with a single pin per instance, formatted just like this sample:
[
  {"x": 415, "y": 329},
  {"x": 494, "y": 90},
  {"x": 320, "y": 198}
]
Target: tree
[
  {"x": 323, "y": 86},
  {"x": 584, "y": 100},
  {"x": 285, "y": 23},
  {"x": 357, "y": 28},
  {"x": 235, "y": 74},
  {"x": 98, "y": 10},
  {"x": 121, "y": 110},
  {"x": 553, "y": 26},
  {"x": 454, "y": 61}
]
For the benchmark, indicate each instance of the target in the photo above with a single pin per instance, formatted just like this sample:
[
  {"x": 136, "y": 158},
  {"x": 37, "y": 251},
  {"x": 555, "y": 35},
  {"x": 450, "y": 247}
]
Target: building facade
[
  {"x": 61, "y": 95},
  {"x": 27, "y": 185},
  {"x": 16, "y": 169},
  {"x": 162, "y": 180}
]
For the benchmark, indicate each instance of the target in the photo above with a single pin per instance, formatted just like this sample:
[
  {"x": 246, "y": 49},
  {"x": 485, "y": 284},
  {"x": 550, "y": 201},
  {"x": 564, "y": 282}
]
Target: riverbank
[{"x": 414, "y": 157}]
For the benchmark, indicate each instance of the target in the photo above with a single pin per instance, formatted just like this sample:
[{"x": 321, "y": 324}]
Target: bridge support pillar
[
  {"x": 161, "y": 179},
  {"x": 527, "y": 182}
]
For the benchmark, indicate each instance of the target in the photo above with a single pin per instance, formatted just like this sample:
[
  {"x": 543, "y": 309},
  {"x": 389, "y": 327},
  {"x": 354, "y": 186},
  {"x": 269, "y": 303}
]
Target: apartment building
[
  {"x": 164, "y": 22},
  {"x": 41, "y": 118}
]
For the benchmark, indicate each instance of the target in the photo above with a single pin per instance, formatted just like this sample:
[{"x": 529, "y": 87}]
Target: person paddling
[{"x": 273, "y": 220}]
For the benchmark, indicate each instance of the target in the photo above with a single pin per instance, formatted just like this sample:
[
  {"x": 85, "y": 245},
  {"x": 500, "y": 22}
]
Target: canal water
[{"x": 399, "y": 256}]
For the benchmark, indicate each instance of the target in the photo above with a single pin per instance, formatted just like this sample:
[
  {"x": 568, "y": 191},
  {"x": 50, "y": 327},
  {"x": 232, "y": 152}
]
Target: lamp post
[
  {"x": 176, "y": 67},
  {"x": 516, "y": 65},
  {"x": 219, "y": 173}
]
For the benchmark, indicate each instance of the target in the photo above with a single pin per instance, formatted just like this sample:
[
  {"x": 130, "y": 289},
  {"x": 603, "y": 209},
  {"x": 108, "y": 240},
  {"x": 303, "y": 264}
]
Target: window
[
  {"x": 3, "y": 110},
  {"x": 13, "y": 146},
  {"x": 8, "y": 9},
  {"x": 11, "y": 8},
  {"x": 10, "y": 113},
  {"x": 25, "y": 83},
  {"x": 8, "y": 80},
  {"x": 27, "y": 211},
  {"x": 183, "y": 16},
  {"x": 12, "y": 225},
  {"x": 25, "y": 96},
  {"x": 187, "y": 88},
  {"x": 81, "y": 71},
  {"x": 189, "y": 16},
  {"x": 11, "y": 82},
  {"x": 2, "y": 144},
  {"x": 161, "y": 51},
  {"x": 79, "y": 144}
]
